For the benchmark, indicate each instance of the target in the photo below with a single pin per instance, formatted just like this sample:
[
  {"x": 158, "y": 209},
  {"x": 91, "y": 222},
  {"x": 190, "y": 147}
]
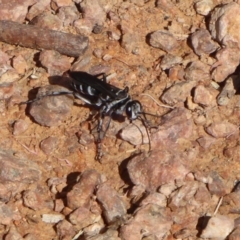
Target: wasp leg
[
  {"x": 47, "y": 95},
  {"x": 146, "y": 125},
  {"x": 102, "y": 134},
  {"x": 99, "y": 139}
]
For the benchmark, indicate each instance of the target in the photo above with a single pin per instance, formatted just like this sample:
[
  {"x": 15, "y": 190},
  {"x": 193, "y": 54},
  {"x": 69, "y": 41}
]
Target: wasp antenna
[
  {"x": 159, "y": 104},
  {"x": 144, "y": 121}
]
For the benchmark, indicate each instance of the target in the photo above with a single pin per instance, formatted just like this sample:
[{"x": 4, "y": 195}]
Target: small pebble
[
  {"x": 51, "y": 111},
  {"x": 19, "y": 64},
  {"x": 169, "y": 61},
  {"x": 47, "y": 20},
  {"x": 54, "y": 62},
  {"x": 218, "y": 227},
  {"x": 222, "y": 129},
  {"x": 111, "y": 202},
  {"x": 52, "y": 218},
  {"x": 48, "y": 145},
  {"x": 20, "y": 126},
  {"x": 204, "y": 7},
  {"x": 164, "y": 40},
  {"x": 6, "y": 90},
  {"x": 203, "y": 96},
  {"x": 202, "y": 42}
]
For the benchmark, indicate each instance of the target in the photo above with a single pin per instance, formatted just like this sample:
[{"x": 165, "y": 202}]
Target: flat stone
[
  {"x": 18, "y": 170},
  {"x": 113, "y": 205},
  {"x": 151, "y": 219},
  {"x": 82, "y": 191},
  {"x": 51, "y": 111}
]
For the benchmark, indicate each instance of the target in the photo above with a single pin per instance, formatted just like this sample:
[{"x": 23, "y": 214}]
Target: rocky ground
[{"x": 180, "y": 59}]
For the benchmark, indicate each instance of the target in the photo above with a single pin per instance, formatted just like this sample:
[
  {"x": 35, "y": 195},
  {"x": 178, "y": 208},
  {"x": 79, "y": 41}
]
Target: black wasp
[{"x": 108, "y": 98}]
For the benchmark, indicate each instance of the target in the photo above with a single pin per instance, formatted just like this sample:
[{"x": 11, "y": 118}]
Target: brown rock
[
  {"x": 13, "y": 234},
  {"x": 223, "y": 27},
  {"x": 169, "y": 61},
  {"x": 183, "y": 196},
  {"x": 198, "y": 71},
  {"x": 68, "y": 15},
  {"x": 178, "y": 92},
  {"x": 58, "y": 205},
  {"x": 174, "y": 125},
  {"x": 33, "y": 200},
  {"x": 135, "y": 135},
  {"x": 154, "y": 198},
  {"x": 65, "y": 230},
  {"x": 52, "y": 218},
  {"x": 159, "y": 168},
  {"x": 151, "y": 219},
  {"x": 20, "y": 64},
  {"x": 9, "y": 75},
  {"x": 7, "y": 214},
  {"x": 51, "y": 111},
  {"x": 203, "y": 177},
  {"x": 164, "y": 40},
  {"x": 5, "y": 193},
  {"x": 82, "y": 191},
  {"x": 136, "y": 193},
  {"x": 31, "y": 236},
  {"x": 235, "y": 234},
  {"x": 82, "y": 217},
  {"x": 176, "y": 73},
  {"x": 203, "y": 96},
  {"x": 221, "y": 70},
  {"x": 186, "y": 218},
  {"x": 6, "y": 90},
  {"x": 213, "y": 229},
  {"x": 231, "y": 203},
  {"x": 20, "y": 126},
  {"x": 232, "y": 152},
  {"x": 95, "y": 231},
  {"x": 202, "y": 194},
  {"x": 170, "y": 8},
  {"x": 56, "y": 181},
  {"x": 167, "y": 189},
  {"x": 18, "y": 170},
  {"x": 130, "y": 41},
  {"x": 183, "y": 233},
  {"x": 206, "y": 141},
  {"x": 217, "y": 186},
  {"x": 203, "y": 7},
  {"x": 93, "y": 15},
  {"x": 15, "y": 10},
  {"x": 37, "y": 8},
  {"x": 47, "y": 20},
  {"x": 202, "y": 42},
  {"x": 3, "y": 58},
  {"x": 54, "y": 62},
  {"x": 49, "y": 145},
  {"x": 63, "y": 3},
  {"x": 222, "y": 129},
  {"x": 110, "y": 234},
  {"x": 113, "y": 205},
  {"x": 228, "y": 91}
]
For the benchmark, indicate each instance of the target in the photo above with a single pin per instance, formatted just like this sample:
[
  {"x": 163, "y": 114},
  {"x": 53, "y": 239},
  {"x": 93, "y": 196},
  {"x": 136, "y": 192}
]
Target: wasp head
[{"x": 133, "y": 109}]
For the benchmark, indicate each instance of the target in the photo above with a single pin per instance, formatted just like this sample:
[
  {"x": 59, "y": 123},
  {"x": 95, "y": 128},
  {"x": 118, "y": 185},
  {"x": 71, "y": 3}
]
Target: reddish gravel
[{"x": 176, "y": 179}]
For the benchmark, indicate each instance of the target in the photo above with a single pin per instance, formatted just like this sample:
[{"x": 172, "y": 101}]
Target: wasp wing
[{"x": 101, "y": 86}]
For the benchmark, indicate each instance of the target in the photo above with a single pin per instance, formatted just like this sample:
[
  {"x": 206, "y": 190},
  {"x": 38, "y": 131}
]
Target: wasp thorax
[{"x": 133, "y": 109}]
